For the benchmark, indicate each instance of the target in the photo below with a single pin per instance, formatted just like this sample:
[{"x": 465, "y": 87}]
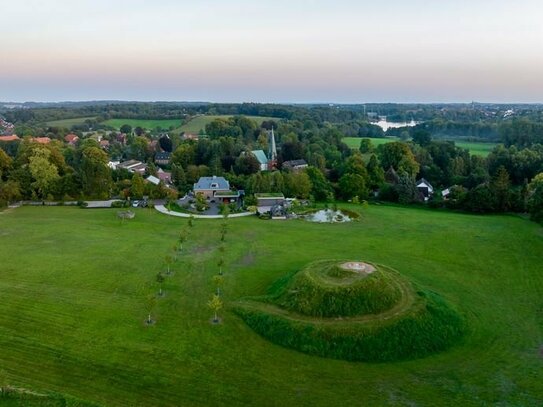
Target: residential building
[
  {"x": 209, "y": 186},
  {"x": 163, "y": 158},
  {"x": 295, "y": 165}
]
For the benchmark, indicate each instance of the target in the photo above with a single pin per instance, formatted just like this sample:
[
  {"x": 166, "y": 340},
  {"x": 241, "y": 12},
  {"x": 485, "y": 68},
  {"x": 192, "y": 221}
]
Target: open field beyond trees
[
  {"x": 145, "y": 124},
  {"x": 68, "y": 123},
  {"x": 199, "y": 122},
  {"x": 475, "y": 148},
  {"x": 77, "y": 284}
]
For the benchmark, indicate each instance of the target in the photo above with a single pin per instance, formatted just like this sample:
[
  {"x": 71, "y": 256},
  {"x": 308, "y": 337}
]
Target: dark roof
[
  {"x": 294, "y": 163},
  {"x": 162, "y": 156}
]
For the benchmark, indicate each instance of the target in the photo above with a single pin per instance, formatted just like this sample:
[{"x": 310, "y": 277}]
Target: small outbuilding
[
  {"x": 266, "y": 202},
  {"x": 425, "y": 188}
]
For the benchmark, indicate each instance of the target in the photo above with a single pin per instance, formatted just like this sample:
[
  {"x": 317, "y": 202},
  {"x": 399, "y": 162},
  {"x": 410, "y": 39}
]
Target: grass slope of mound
[
  {"x": 378, "y": 317},
  {"x": 430, "y": 326},
  {"x": 322, "y": 289}
]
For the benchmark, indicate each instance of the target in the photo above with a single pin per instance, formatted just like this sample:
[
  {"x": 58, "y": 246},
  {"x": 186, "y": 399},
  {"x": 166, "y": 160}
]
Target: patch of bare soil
[
  {"x": 358, "y": 267},
  {"x": 247, "y": 260}
]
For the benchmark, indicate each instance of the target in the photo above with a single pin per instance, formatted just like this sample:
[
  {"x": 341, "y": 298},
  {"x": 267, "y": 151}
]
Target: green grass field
[
  {"x": 354, "y": 142},
  {"x": 145, "y": 124},
  {"x": 482, "y": 149},
  {"x": 68, "y": 123},
  {"x": 75, "y": 285},
  {"x": 475, "y": 148},
  {"x": 200, "y": 122}
]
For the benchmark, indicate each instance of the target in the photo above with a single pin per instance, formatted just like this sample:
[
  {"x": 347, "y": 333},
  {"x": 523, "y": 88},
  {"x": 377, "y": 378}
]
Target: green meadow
[
  {"x": 144, "y": 123},
  {"x": 77, "y": 285},
  {"x": 475, "y": 148},
  {"x": 68, "y": 123},
  {"x": 199, "y": 123}
]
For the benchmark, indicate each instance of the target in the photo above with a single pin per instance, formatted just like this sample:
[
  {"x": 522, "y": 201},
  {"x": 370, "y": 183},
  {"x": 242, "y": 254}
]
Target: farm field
[
  {"x": 145, "y": 124},
  {"x": 354, "y": 142},
  {"x": 69, "y": 122},
  {"x": 76, "y": 287},
  {"x": 482, "y": 149},
  {"x": 200, "y": 122},
  {"x": 475, "y": 148}
]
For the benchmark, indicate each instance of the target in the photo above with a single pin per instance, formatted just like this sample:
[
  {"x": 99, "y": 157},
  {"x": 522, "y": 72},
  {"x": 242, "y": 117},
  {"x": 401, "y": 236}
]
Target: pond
[
  {"x": 327, "y": 216},
  {"x": 385, "y": 125}
]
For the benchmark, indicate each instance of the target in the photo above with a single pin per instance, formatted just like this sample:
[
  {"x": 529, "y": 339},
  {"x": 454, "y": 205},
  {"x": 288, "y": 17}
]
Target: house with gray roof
[{"x": 209, "y": 186}]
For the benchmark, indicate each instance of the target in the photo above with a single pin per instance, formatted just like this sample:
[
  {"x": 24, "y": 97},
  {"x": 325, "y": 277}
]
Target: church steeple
[{"x": 272, "y": 149}]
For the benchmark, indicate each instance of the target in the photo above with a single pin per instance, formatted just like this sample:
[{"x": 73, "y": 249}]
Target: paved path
[{"x": 165, "y": 211}]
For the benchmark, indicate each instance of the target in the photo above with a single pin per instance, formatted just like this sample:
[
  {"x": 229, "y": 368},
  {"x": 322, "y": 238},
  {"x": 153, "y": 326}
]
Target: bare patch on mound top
[{"x": 358, "y": 267}]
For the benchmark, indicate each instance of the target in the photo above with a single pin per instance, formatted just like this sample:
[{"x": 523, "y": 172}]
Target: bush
[{"x": 119, "y": 204}]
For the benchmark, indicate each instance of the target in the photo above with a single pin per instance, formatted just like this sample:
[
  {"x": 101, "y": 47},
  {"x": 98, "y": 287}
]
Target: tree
[
  {"x": 165, "y": 143},
  {"x": 5, "y": 164},
  {"x": 351, "y": 185},
  {"x": 10, "y": 191},
  {"x": 182, "y": 239},
  {"x": 126, "y": 129},
  {"x": 178, "y": 177},
  {"x": 169, "y": 261},
  {"x": 320, "y": 187},
  {"x": 218, "y": 281},
  {"x": 151, "y": 303},
  {"x": 95, "y": 174},
  {"x": 216, "y": 305},
  {"x": 480, "y": 199},
  {"x": 407, "y": 189},
  {"x": 298, "y": 184},
  {"x": 160, "y": 280},
  {"x": 398, "y": 156},
  {"x": 366, "y": 146},
  {"x": 246, "y": 164},
  {"x": 500, "y": 188},
  {"x": 43, "y": 172},
  {"x": 422, "y": 137},
  {"x": 220, "y": 263},
  {"x": 138, "y": 186},
  {"x": 376, "y": 174},
  {"x": 535, "y": 198}
]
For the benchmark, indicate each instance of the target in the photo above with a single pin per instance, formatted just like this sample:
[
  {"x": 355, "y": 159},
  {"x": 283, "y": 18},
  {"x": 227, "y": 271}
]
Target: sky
[{"x": 329, "y": 51}]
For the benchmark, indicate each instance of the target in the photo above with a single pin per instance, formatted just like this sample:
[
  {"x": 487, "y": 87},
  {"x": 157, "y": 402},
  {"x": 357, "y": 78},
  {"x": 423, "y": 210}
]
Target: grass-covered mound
[
  {"x": 324, "y": 289},
  {"x": 313, "y": 311}
]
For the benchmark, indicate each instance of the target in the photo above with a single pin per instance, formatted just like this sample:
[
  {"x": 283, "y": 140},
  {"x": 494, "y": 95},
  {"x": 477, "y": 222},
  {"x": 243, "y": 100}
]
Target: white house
[{"x": 425, "y": 188}]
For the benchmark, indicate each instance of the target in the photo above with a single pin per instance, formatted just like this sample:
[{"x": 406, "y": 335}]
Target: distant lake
[{"x": 385, "y": 125}]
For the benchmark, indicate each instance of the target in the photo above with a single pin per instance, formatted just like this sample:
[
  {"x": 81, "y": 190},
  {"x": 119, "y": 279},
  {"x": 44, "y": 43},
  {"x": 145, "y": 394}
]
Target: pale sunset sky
[{"x": 339, "y": 51}]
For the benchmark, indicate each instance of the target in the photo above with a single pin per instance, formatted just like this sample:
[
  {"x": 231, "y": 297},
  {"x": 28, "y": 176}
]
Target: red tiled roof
[
  {"x": 70, "y": 138},
  {"x": 41, "y": 140},
  {"x": 9, "y": 138}
]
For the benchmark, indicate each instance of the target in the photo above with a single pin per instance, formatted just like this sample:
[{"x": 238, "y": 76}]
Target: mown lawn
[
  {"x": 475, "y": 148},
  {"x": 144, "y": 123},
  {"x": 75, "y": 284},
  {"x": 354, "y": 142},
  {"x": 199, "y": 122},
  {"x": 68, "y": 123}
]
